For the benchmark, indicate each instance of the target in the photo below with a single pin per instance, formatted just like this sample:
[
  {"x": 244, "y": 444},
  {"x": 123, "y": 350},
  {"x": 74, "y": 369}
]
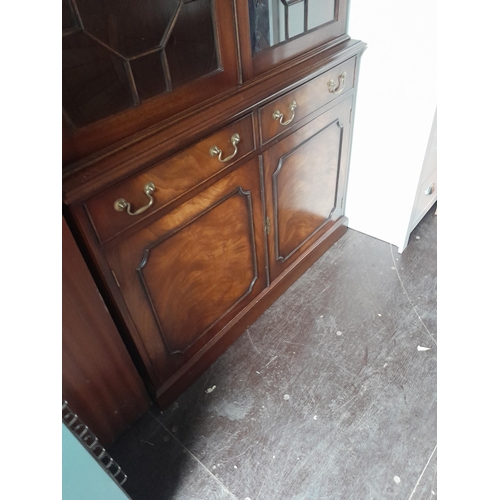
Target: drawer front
[
  {"x": 153, "y": 189},
  {"x": 280, "y": 114}
]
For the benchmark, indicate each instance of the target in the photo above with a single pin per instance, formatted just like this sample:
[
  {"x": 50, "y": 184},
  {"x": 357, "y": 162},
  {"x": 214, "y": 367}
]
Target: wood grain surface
[
  {"x": 174, "y": 177},
  {"x": 99, "y": 380},
  {"x": 309, "y": 98},
  {"x": 302, "y": 175},
  {"x": 196, "y": 266}
]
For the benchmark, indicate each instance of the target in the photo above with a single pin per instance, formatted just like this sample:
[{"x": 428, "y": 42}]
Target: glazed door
[
  {"x": 305, "y": 180},
  {"x": 275, "y": 31},
  {"x": 187, "y": 275},
  {"x": 128, "y": 65}
]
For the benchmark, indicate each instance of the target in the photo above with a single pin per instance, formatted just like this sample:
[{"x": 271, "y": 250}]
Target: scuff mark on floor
[{"x": 275, "y": 357}]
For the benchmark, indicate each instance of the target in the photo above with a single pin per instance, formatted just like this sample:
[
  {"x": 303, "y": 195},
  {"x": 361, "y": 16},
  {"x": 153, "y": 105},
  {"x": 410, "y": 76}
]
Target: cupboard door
[
  {"x": 305, "y": 177},
  {"x": 187, "y": 275},
  {"x": 276, "y": 31}
]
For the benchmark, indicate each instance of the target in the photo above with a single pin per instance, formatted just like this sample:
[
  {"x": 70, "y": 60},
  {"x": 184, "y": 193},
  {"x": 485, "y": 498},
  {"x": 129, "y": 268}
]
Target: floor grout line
[
  {"x": 420, "y": 477},
  {"x": 198, "y": 460},
  {"x": 408, "y": 297}
]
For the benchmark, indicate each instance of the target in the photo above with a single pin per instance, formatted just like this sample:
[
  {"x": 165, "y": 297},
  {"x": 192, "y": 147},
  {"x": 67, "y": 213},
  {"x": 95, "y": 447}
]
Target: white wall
[{"x": 394, "y": 112}]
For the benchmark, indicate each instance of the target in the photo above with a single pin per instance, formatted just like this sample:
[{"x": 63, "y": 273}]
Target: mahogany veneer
[
  {"x": 99, "y": 380},
  {"x": 222, "y": 235}
]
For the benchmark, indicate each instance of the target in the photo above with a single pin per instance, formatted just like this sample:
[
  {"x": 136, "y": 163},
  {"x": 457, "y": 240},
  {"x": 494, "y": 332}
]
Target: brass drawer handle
[
  {"x": 337, "y": 89},
  {"x": 215, "y": 151},
  {"x": 277, "y": 115},
  {"x": 121, "y": 204}
]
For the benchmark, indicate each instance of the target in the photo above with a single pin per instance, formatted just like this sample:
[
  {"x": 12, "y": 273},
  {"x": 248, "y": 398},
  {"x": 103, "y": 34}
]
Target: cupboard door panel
[
  {"x": 184, "y": 277},
  {"x": 200, "y": 259},
  {"x": 305, "y": 179}
]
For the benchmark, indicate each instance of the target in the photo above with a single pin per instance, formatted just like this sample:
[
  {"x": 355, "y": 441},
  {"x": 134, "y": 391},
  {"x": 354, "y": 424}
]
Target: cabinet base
[{"x": 196, "y": 366}]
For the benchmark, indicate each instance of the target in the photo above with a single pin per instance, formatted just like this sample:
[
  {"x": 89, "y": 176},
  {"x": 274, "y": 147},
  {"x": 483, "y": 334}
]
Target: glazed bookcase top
[
  {"x": 129, "y": 68},
  {"x": 117, "y": 54}
]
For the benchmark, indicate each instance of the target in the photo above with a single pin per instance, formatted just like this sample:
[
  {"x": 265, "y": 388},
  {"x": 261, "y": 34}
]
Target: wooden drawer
[
  {"x": 172, "y": 178},
  {"x": 304, "y": 100}
]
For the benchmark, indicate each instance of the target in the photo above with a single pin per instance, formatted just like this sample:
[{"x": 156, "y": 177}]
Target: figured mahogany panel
[
  {"x": 303, "y": 177},
  {"x": 99, "y": 380},
  {"x": 305, "y": 189},
  {"x": 172, "y": 178},
  {"x": 187, "y": 274}
]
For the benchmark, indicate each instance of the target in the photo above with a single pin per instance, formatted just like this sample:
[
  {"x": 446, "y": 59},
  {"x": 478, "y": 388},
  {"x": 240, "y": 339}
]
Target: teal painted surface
[{"x": 82, "y": 476}]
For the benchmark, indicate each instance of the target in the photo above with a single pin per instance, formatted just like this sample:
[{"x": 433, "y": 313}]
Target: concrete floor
[{"x": 330, "y": 394}]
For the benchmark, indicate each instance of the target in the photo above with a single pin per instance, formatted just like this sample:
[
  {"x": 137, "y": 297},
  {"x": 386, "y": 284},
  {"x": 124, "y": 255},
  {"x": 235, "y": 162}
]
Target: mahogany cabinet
[{"x": 222, "y": 178}]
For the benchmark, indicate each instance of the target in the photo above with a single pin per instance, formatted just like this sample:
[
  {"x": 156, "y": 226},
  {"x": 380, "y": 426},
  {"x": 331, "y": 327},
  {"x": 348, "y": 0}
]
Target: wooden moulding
[
  {"x": 197, "y": 365},
  {"x": 96, "y": 172}
]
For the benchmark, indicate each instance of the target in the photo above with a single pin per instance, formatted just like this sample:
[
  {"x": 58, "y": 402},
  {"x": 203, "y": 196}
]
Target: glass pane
[
  {"x": 118, "y": 53},
  {"x": 68, "y": 20},
  {"x": 149, "y": 74},
  {"x": 295, "y": 21},
  {"x": 129, "y": 27},
  {"x": 191, "y": 48},
  {"x": 95, "y": 82},
  {"x": 276, "y": 21},
  {"x": 320, "y": 12}
]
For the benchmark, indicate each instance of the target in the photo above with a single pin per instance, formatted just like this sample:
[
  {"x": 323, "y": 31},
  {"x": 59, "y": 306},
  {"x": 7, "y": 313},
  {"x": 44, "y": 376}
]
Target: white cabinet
[{"x": 426, "y": 194}]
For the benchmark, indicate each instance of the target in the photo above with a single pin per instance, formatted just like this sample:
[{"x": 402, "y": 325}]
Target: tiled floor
[{"x": 330, "y": 394}]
